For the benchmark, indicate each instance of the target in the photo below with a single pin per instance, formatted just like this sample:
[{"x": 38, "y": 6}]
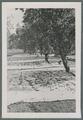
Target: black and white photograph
[{"x": 41, "y": 60}]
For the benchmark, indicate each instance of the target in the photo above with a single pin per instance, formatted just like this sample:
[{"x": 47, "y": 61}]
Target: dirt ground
[
  {"x": 40, "y": 79},
  {"x": 30, "y": 76}
]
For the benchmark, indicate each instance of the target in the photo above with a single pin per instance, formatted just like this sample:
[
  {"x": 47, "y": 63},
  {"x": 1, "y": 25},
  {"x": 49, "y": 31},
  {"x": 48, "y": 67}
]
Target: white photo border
[{"x": 77, "y": 7}]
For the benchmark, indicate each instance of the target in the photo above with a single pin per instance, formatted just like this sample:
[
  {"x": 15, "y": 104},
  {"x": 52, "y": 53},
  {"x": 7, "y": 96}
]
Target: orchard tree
[
  {"x": 12, "y": 43},
  {"x": 54, "y": 29},
  {"x": 22, "y": 38},
  {"x": 65, "y": 33},
  {"x": 26, "y": 39},
  {"x": 36, "y": 19}
]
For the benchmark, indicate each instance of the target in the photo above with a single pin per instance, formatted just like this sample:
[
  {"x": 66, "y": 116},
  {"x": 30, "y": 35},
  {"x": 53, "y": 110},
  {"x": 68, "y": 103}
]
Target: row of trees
[{"x": 48, "y": 31}]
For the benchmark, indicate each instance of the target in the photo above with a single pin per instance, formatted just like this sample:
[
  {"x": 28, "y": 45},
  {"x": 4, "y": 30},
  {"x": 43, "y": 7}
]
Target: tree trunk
[
  {"x": 41, "y": 53},
  {"x": 65, "y": 63},
  {"x": 46, "y": 58},
  {"x": 24, "y": 49}
]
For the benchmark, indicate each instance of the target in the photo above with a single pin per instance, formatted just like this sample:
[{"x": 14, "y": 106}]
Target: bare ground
[
  {"x": 37, "y": 79},
  {"x": 57, "y": 81}
]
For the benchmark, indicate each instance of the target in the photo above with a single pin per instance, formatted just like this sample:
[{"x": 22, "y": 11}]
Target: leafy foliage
[{"x": 49, "y": 31}]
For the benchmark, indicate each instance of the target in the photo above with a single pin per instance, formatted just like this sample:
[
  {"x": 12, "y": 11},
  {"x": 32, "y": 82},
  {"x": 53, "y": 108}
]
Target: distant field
[{"x": 18, "y": 58}]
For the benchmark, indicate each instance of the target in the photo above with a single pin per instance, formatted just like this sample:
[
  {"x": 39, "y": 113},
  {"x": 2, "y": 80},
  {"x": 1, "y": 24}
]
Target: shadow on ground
[{"x": 59, "y": 106}]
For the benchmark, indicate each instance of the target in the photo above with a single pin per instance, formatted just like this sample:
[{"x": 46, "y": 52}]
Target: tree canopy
[{"x": 49, "y": 31}]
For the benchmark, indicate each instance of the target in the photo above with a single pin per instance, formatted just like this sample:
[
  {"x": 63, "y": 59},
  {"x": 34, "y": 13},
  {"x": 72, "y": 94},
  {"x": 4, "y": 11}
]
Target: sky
[{"x": 15, "y": 18}]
